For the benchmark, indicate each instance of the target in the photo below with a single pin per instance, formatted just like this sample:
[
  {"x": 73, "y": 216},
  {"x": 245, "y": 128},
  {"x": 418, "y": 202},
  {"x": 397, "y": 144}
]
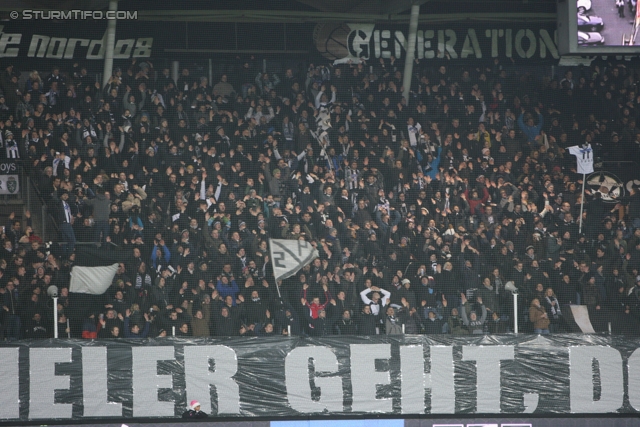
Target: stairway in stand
[{"x": 13, "y": 205}]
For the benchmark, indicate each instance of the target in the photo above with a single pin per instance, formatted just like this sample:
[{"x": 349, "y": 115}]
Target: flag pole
[
  {"x": 275, "y": 280},
  {"x": 585, "y": 166},
  {"x": 278, "y": 289},
  {"x": 584, "y": 179}
]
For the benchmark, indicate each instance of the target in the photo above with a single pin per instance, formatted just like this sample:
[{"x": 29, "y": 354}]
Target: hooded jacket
[
  {"x": 474, "y": 326},
  {"x": 101, "y": 207},
  {"x": 537, "y": 317}
]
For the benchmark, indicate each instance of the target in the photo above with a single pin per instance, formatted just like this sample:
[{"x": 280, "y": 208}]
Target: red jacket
[
  {"x": 314, "y": 309},
  {"x": 477, "y": 203}
]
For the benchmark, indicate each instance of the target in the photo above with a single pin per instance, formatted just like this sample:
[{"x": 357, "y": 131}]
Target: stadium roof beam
[
  {"x": 411, "y": 50},
  {"x": 279, "y": 16},
  {"x": 399, "y": 6},
  {"x": 107, "y": 71},
  {"x": 342, "y": 6},
  {"x": 366, "y": 6}
]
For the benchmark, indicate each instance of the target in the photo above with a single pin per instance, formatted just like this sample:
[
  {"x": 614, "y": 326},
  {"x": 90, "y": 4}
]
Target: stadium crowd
[{"x": 422, "y": 210}]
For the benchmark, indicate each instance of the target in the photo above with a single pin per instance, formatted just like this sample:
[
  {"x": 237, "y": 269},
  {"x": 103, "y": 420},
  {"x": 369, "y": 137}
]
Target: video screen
[{"x": 607, "y": 23}]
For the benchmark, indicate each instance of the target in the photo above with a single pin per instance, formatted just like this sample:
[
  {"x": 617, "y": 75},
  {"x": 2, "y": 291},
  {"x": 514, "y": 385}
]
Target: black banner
[
  {"x": 456, "y": 41},
  {"x": 339, "y": 376},
  {"x": 84, "y": 40},
  {"x": 79, "y": 40},
  {"x": 34, "y": 42}
]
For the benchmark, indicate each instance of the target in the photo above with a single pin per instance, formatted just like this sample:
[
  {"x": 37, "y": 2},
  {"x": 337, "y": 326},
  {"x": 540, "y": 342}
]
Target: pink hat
[{"x": 194, "y": 404}]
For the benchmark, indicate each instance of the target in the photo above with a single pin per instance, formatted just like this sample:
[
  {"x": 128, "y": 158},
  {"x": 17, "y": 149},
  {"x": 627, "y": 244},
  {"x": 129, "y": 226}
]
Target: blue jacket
[
  {"x": 531, "y": 131},
  {"x": 232, "y": 289},
  {"x": 432, "y": 169},
  {"x": 142, "y": 334},
  {"x": 166, "y": 255}
]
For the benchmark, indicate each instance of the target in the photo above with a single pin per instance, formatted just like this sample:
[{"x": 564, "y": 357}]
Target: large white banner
[{"x": 276, "y": 377}]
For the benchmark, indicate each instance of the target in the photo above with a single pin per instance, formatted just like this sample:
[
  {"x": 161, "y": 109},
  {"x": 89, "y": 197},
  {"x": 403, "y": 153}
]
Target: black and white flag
[
  {"x": 289, "y": 256},
  {"x": 94, "y": 270},
  {"x": 92, "y": 280}
]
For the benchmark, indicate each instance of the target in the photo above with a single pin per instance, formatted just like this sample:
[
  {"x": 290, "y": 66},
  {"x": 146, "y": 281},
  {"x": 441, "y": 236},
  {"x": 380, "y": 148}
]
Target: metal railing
[{"x": 48, "y": 225}]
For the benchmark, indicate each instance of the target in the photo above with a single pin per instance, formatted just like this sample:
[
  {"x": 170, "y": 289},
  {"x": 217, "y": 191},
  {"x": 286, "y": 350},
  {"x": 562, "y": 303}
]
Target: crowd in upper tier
[{"x": 421, "y": 209}]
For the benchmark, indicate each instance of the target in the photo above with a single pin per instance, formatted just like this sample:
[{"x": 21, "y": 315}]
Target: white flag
[
  {"x": 584, "y": 156},
  {"x": 581, "y": 317},
  {"x": 92, "y": 280},
  {"x": 289, "y": 256}
]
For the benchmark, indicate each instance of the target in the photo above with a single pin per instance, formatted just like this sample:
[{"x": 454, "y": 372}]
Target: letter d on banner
[{"x": 581, "y": 379}]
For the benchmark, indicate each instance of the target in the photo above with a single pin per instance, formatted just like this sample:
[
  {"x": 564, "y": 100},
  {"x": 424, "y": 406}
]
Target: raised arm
[
  {"x": 318, "y": 98},
  {"x": 385, "y": 296},
  {"x": 484, "y": 314},
  {"x": 364, "y": 296},
  {"x": 463, "y": 313}
]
